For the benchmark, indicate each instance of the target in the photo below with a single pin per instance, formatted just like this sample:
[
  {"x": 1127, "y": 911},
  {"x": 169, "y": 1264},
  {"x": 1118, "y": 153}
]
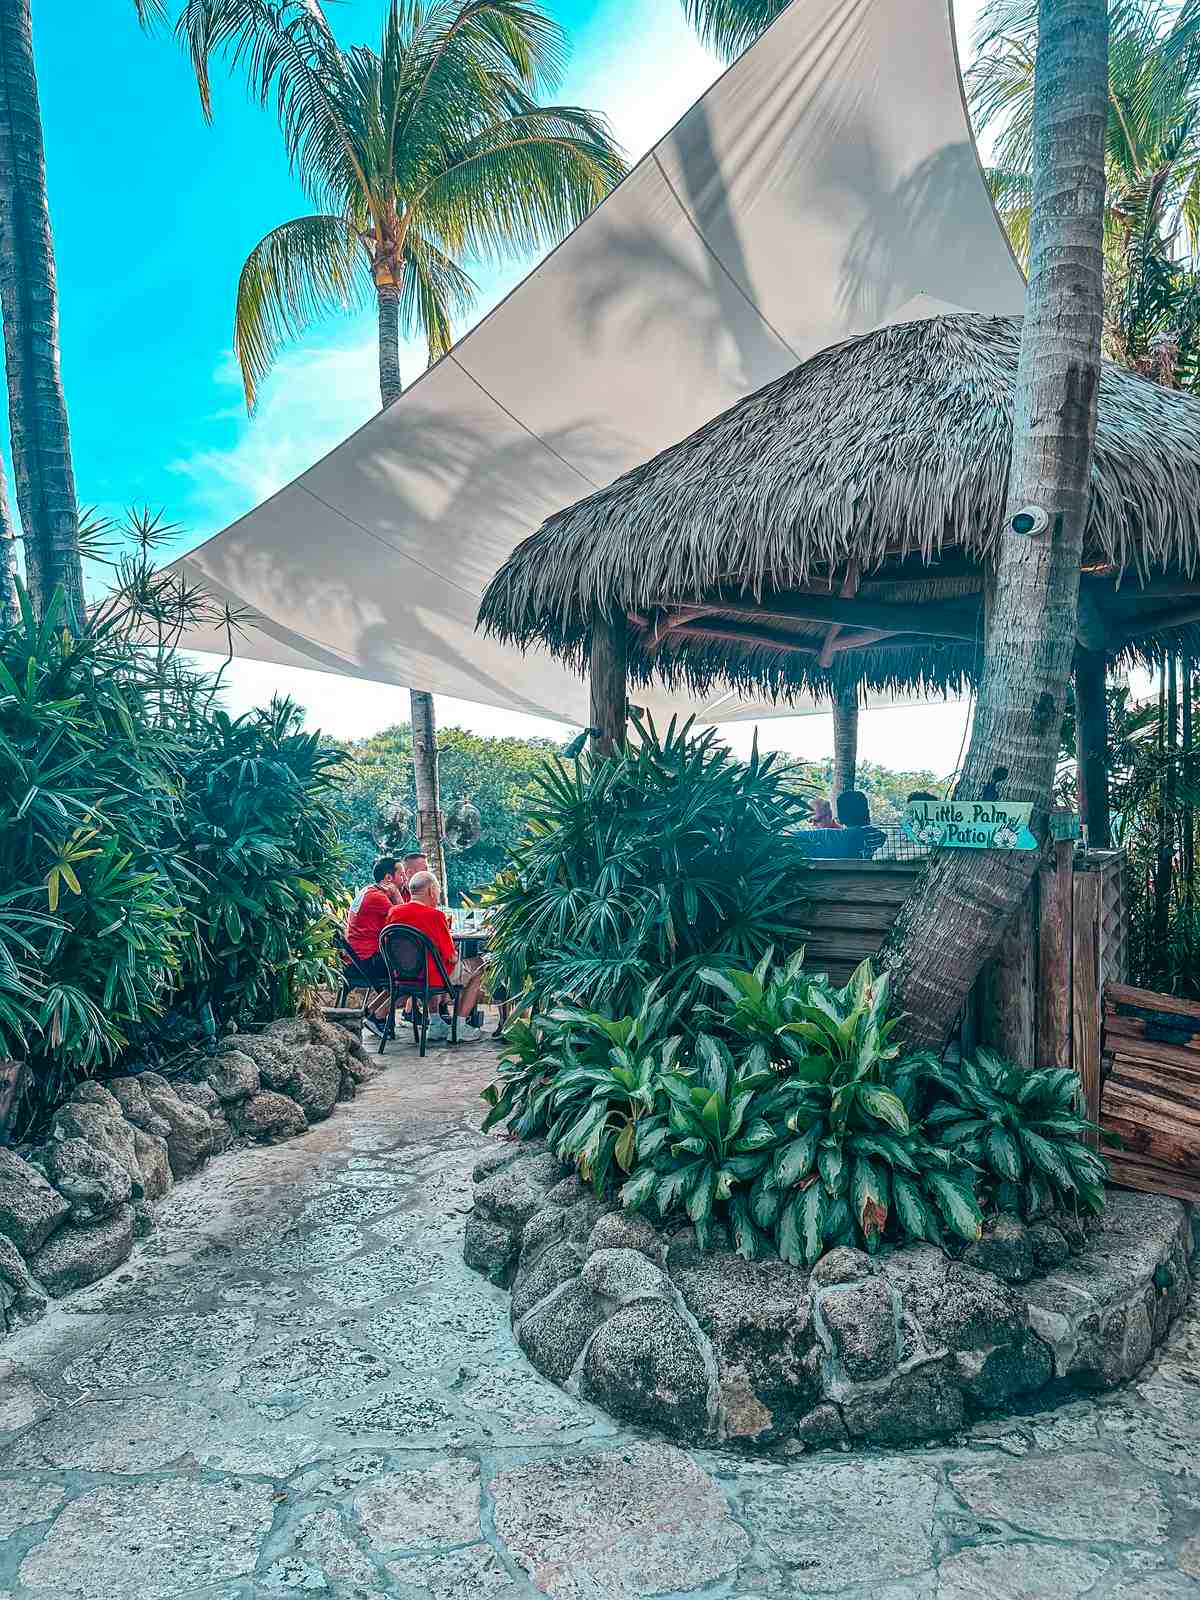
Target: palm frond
[
  {"x": 434, "y": 291},
  {"x": 297, "y": 272},
  {"x": 727, "y": 27}
]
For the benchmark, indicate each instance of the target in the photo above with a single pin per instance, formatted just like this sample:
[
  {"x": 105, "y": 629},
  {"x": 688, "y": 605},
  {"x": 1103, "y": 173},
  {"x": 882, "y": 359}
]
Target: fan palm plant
[{"x": 433, "y": 149}]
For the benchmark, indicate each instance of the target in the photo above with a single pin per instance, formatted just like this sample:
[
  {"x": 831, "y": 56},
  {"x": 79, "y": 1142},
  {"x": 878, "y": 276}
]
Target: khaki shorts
[{"x": 466, "y": 968}]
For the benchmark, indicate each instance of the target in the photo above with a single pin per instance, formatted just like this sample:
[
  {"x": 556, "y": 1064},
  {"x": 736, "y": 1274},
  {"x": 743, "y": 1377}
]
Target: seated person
[
  {"x": 821, "y": 815},
  {"x": 368, "y": 913},
  {"x": 854, "y": 814},
  {"x": 422, "y": 911}
]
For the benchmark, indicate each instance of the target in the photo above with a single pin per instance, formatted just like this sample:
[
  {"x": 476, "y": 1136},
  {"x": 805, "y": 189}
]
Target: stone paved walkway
[{"x": 296, "y": 1388}]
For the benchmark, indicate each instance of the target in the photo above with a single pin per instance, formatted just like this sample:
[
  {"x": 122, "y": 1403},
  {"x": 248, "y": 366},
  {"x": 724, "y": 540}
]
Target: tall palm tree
[
  {"x": 1152, "y": 160},
  {"x": 431, "y": 150},
  {"x": 37, "y": 408},
  {"x": 957, "y": 918}
]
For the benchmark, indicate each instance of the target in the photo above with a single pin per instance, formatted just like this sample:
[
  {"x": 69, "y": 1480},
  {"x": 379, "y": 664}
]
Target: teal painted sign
[{"x": 970, "y": 824}]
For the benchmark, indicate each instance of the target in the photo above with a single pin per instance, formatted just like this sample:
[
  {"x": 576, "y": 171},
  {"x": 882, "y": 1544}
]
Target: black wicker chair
[
  {"x": 354, "y": 975},
  {"x": 408, "y": 952}
]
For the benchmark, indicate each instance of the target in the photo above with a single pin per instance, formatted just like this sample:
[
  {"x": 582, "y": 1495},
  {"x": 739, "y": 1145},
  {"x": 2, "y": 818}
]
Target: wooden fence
[{"x": 1151, "y": 1090}]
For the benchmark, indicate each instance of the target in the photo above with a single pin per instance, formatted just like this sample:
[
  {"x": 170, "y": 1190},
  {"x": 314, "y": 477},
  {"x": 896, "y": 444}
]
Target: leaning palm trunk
[
  {"x": 9, "y": 609},
  {"x": 954, "y": 923},
  {"x": 421, "y": 712},
  {"x": 41, "y": 445}
]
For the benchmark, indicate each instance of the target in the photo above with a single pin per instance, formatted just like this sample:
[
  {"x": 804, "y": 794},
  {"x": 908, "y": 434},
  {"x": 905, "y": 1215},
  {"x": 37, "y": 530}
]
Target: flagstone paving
[{"x": 295, "y": 1388}]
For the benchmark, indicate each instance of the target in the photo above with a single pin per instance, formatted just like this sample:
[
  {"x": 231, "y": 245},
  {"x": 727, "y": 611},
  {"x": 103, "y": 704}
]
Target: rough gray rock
[
  {"x": 757, "y": 1317},
  {"x": 190, "y": 1139},
  {"x": 131, "y": 1097},
  {"x": 552, "y": 1267},
  {"x": 842, "y": 1265},
  {"x": 567, "y": 1191},
  {"x": 92, "y": 1093},
  {"x": 624, "y": 1275},
  {"x": 491, "y": 1249},
  {"x": 627, "y": 1230},
  {"x": 500, "y": 1156},
  {"x": 269, "y": 1117},
  {"x": 30, "y": 1207},
  {"x": 820, "y": 1428},
  {"x": 153, "y": 1163},
  {"x": 582, "y": 1217},
  {"x": 315, "y": 1082},
  {"x": 92, "y": 1183},
  {"x": 77, "y": 1256},
  {"x": 104, "y": 1130},
  {"x": 145, "y": 1219},
  {"x": 1004, "y": 1248},
  {"x": 546, "y": 1227},
  {"x": 1050, "y": 1247},
  {"x": 645, "y": 1365},
  {"x": 512, "y": 1195},
  {"x": 861, "y": 1324},
  {"x": 21, "y": 1299},
  {"x": 555, "y": 1331},
  {"x": 923, "y": 1403}
]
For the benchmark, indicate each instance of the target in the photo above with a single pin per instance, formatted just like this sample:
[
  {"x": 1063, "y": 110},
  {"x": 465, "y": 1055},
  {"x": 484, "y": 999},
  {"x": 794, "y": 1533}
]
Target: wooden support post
[
  {"x": 845, "y": 740},
  {"x": 1008, "y": 988},
  {"x": 1091, "y": 747},
  {"x": 609, "y": 707},
  {"x": 1055, "y": 922},
  {"x": 1085, "y": 989}
]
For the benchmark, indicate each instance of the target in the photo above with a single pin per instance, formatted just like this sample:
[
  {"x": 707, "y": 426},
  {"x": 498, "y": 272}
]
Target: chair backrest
[{"x": 406, "y": 950}]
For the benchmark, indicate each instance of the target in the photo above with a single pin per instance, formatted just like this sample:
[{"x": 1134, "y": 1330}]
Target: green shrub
[
  {"x": 155, "y": 856},
  {"x": 794, "y": 1117},
  {"x": 648, "y": 866},
  {"x": 1023, "y": 1132}
]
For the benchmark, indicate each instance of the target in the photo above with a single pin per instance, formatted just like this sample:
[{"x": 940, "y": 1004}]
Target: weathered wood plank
[
  {"x": 1130, "y": 1172},
  {"x": 609, "y": 670},
  {"x": 1008, "y": 988},
  {"x": 1124, "y": 994},
  {"x": 1085, "y": 989},
  {"x": 1055, "y": 923}
]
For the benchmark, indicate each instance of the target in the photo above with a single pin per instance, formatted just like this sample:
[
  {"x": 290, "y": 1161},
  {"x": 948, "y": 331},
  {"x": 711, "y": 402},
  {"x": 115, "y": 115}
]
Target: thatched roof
[{"x": 833, "y": 527}]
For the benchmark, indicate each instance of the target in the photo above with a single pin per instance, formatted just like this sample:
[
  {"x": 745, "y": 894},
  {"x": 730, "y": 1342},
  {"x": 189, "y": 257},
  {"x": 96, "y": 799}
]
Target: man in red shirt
[
  {"x": 423, "y": 912},
  {"x": 368, "y": 913}
]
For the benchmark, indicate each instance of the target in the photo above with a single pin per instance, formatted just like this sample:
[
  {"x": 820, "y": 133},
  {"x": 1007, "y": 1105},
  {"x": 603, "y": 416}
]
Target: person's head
[
  {"x": 423, "y": 886},
  {"x": 822, "y": 814},
  {"x": 385, "y": 871},
  {"x": 919, "y": 794},
  {"x": 853, "y": 810},
  {"x": 415, "y": 861}
]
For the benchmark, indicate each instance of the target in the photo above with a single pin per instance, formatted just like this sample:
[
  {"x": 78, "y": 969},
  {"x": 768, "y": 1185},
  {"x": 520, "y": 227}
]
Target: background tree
[
  {"x": 429, "y": 151},
  {"x": 1152, "y": 163}
]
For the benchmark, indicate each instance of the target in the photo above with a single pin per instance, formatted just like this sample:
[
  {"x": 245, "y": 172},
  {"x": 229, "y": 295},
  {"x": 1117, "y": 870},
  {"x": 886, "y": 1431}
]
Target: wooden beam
[
  {"x": 1139, "y": 593},
  {"x": 830, "y": 639},
  {"x": 1155, "y": 622},
  {"x": 1085, "y": 989},
  {"x": 1091, "y": 747},
  {"x": 938, "y": 620},
  {"x": 731, "y": 633},
  {"x": 609, "y": 706},
  {"x": 1055, "y": 908}
]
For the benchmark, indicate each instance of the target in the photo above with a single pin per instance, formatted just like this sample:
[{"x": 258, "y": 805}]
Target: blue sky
[{"x": 153, "y": 213}]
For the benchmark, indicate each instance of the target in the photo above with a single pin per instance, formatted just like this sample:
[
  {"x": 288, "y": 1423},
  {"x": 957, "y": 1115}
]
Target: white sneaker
[
  {"x": 467, "y": 1034},
  {"x": 439, "y": 1030}
]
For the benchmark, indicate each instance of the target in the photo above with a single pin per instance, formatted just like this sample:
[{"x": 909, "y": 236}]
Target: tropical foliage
[
  {"x": 792, "y": 1117},
  {"x": 495, "y": 775},
  {"x": 433, "y": 149},
  {"x": 1152, "y": 208},
  {"x": 163, "y": 867},
  {"x": 649, "y": 865}
]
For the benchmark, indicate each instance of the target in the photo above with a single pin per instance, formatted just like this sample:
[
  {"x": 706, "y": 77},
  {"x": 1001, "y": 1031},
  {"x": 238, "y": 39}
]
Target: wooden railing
[{"x": 1151, "y": 1090}]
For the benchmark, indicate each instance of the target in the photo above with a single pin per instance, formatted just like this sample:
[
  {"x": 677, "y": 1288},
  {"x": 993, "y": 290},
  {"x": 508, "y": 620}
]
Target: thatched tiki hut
[{"x": 836, "y": 530}]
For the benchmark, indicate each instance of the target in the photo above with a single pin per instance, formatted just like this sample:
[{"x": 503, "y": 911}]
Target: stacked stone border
[
  {"x": 71, "y": 1208},
  {"x": 708, "y": 1348}
]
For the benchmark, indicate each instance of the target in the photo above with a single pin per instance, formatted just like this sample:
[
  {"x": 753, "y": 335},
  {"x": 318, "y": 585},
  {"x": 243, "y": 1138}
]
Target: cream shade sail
[{"x": 826, "y": 184}]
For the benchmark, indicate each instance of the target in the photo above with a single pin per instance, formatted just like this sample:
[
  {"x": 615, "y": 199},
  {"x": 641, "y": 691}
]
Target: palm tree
[
  {"x": 955, "y": 921},
  {"x": 37, "y": 408},
  {"x": 430, "y": 150},
  {"x": 1152, "y": 160}
]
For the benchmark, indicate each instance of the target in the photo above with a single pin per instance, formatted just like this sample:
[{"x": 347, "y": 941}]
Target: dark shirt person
[{"x": 854, "y": 814}]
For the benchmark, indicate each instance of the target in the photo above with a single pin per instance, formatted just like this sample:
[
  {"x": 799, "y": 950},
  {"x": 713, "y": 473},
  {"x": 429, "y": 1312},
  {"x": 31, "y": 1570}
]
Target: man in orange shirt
[{"x": 423, "y": 912}]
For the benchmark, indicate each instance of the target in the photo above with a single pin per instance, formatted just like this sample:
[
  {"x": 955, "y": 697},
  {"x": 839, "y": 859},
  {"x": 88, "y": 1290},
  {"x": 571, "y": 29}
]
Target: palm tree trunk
[
  {"x": 845, "y": 740},
  {"x": 41, "y": 442},
  {"x": 9, "y": 609},
  {"x": 421, "y": 710},
  {"x": 388, "y": 297},
  {"x": 956, "y": 920},
  {"x": 425, "y": 776},
  {"x": 1189, "y": 802}
]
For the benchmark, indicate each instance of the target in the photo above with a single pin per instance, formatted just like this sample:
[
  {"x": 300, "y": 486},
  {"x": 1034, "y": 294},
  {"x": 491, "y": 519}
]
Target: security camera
[{"x": 1030, "y": 521}]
